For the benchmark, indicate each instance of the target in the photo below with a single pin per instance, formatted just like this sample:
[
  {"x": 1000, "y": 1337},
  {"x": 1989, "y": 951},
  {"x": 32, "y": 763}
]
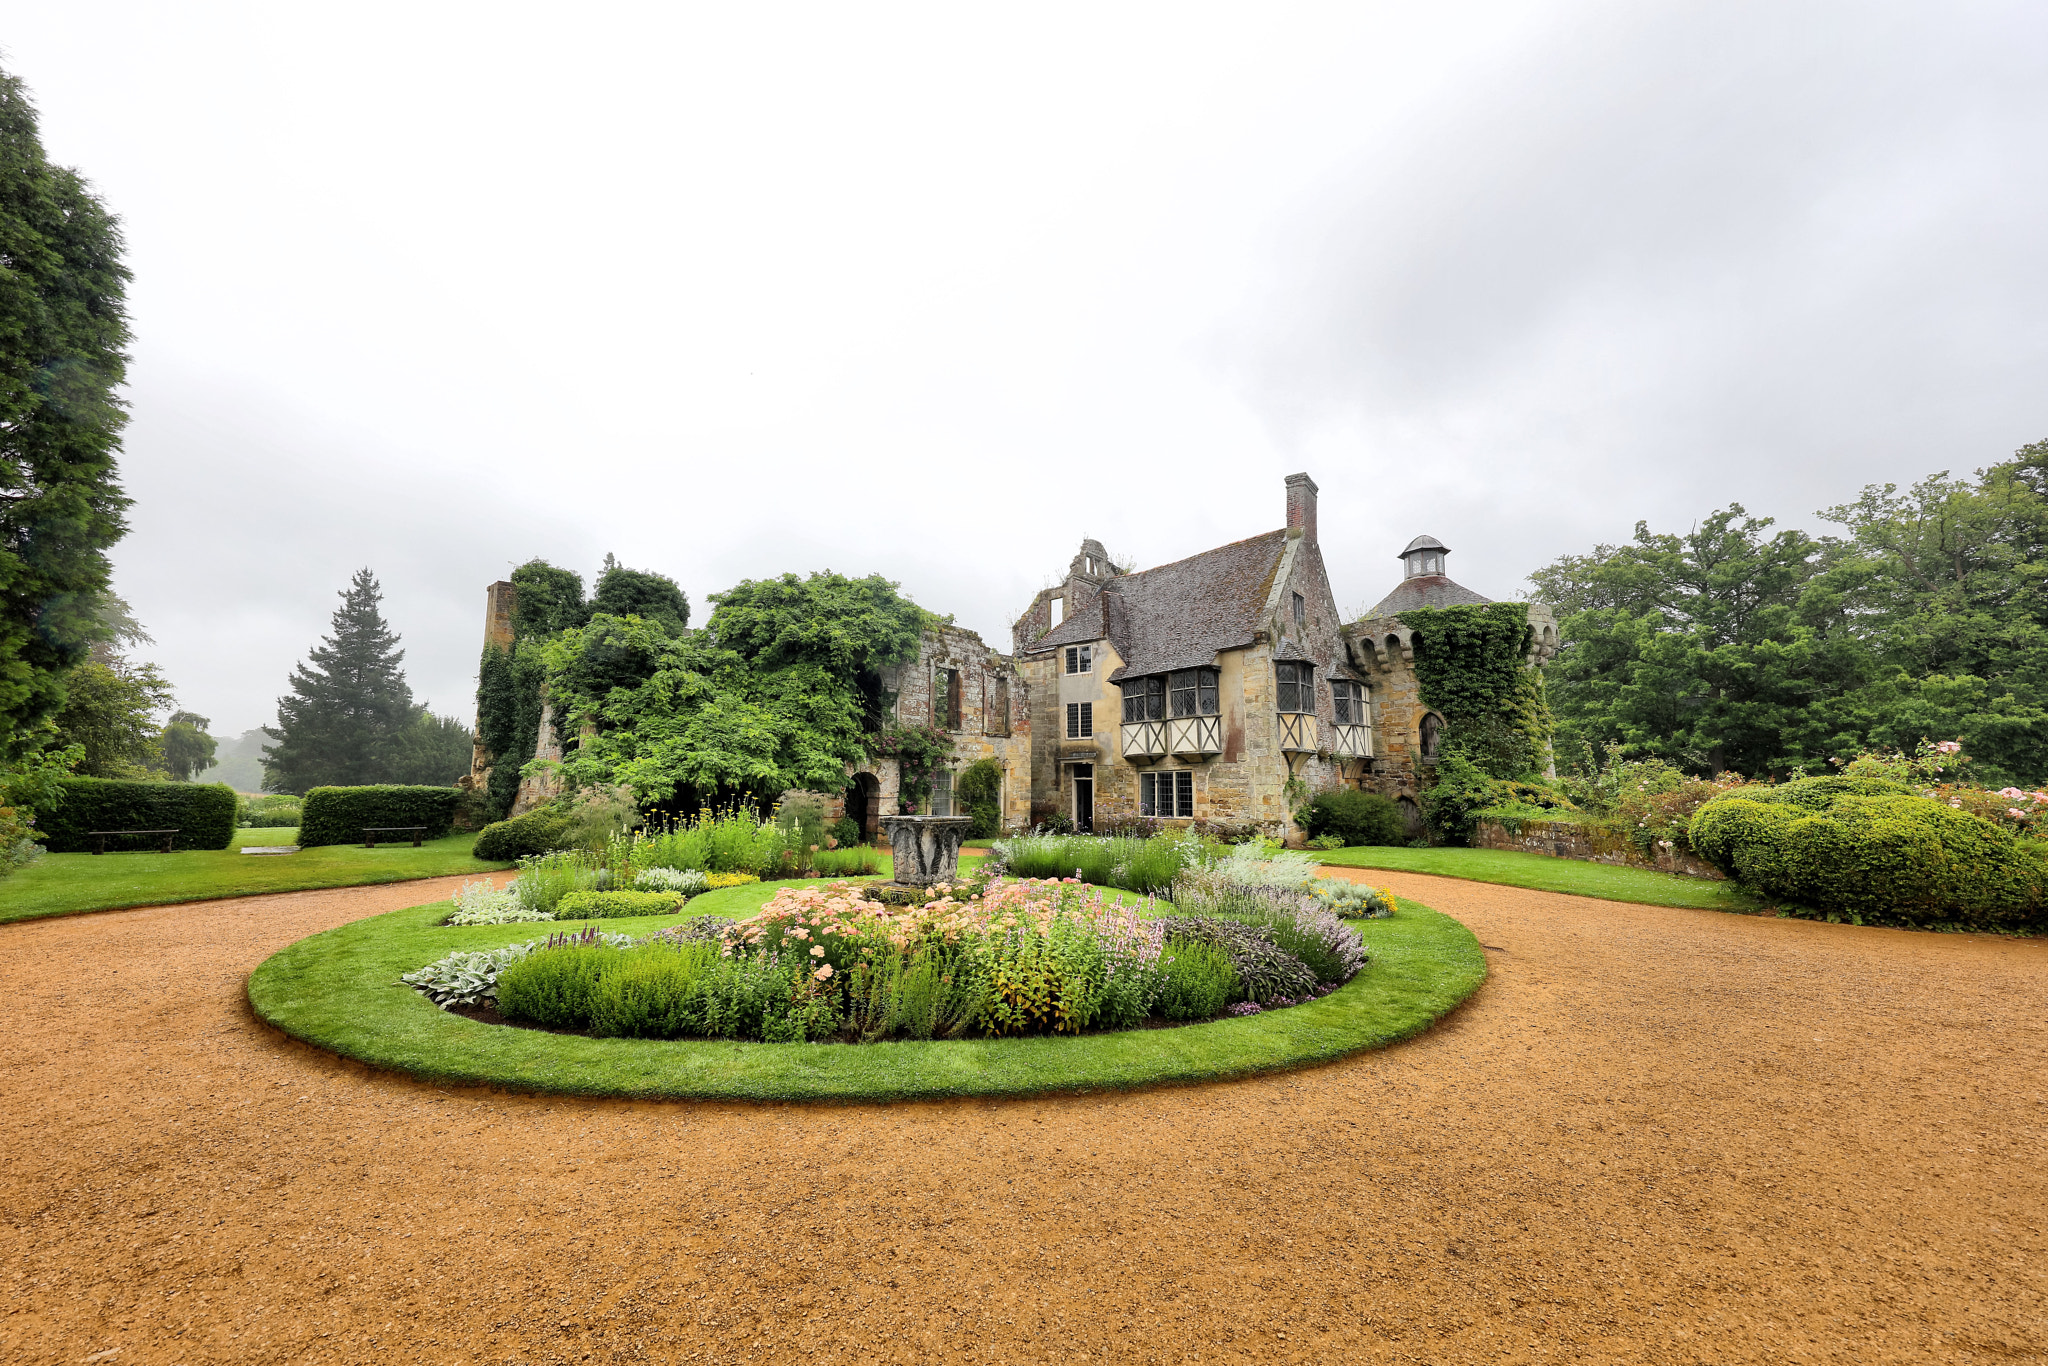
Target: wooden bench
[
  {"x": 370, "y": 833},
  {"x": 99, "y": 838}
]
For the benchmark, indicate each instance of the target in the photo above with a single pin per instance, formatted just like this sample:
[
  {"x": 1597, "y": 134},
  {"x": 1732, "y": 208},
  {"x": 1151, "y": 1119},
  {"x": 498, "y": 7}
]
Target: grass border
[{"x": 338, "y": 990}]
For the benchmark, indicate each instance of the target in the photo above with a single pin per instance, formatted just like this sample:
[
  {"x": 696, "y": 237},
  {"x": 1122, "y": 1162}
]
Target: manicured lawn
[
  {"x": 1541, "y": 873},
  {"x": 340, "y": 990},
  {"x": 65, "y": 884}
]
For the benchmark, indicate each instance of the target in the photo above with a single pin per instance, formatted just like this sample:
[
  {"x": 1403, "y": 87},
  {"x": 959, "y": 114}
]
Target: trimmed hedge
[
  {"x": 536, "y": 832},
  {"x": 612, "y": 905},
  {"x": 1873, "y": 849},
  {"x": 339, "y": 815},
  {"x": 203, "y": 814},
  {"x": 1354, "y": 817}
]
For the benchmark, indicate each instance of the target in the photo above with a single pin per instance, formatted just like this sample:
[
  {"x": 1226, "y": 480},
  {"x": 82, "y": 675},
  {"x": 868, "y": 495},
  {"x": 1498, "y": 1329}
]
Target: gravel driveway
[{"x": 1654, "y": 1136}]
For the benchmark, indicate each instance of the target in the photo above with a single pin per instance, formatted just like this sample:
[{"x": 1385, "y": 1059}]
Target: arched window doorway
[{"x": 1432, "y": 730}]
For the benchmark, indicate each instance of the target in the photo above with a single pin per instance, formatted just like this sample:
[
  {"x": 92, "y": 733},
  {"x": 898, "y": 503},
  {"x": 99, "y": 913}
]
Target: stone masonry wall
[{"x": 1569, "y": 839}]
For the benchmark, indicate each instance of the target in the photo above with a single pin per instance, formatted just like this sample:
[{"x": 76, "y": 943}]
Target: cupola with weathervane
[{"x": 1424, "y": 556}]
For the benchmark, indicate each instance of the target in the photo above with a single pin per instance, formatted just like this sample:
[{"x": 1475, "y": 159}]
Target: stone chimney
[
  {"x": 1301, "y": 507},
  {"x": 500, "y": 601}
]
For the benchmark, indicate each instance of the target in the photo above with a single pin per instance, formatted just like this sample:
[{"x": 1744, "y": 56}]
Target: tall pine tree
[
  {"x": 348, "y": 718},
  {"x": 63, "y": 324}
]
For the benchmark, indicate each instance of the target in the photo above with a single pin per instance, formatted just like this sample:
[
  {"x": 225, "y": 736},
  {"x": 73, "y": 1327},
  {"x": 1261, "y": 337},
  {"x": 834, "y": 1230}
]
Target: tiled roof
[
  {"x": 1180, "y": 615},
  {"x": 1424, "y": 590}
]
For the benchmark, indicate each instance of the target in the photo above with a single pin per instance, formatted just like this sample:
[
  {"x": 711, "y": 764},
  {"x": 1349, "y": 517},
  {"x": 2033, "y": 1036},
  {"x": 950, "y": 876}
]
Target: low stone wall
[{"x": 1569, "y": 839}]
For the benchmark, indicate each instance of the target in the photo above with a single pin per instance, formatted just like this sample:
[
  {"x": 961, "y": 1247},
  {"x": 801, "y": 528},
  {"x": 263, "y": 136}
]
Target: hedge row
[
  {"x": 339, "y": 815},
  {"x": 1873, "y": 848},
  {"x": 203, "y": 814}
]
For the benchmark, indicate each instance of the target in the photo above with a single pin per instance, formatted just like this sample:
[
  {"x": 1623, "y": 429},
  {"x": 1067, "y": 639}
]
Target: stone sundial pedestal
[{"x": 926, "y": 848}]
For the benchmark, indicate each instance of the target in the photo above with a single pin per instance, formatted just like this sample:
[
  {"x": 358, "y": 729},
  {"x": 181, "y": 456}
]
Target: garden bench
[
  {"x": 370, "y": 833},
  {"x": 99, "y": 838}
]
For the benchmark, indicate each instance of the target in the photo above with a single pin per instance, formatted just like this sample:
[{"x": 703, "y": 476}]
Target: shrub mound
[
  {"x": 1874, "y": 849},
  {"x": 339, "y": 815},
  {"x": 537, "y": 832},
  {"x": 1354, "y": 817},
  {"x": 203, "y": 814},
  {"x": 615, "y": 905}
]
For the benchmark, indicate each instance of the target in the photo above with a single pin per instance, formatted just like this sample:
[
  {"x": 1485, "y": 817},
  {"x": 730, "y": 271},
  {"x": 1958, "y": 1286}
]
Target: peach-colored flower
[
  {"x": 822, "y": 973},
  {"x": 817, "y": 950}
]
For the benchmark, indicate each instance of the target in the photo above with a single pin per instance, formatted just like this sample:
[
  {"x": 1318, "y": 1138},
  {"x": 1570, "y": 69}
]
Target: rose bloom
[
  {"x": 2014, "y": 811},
  {"x": 822, "y": 973}
]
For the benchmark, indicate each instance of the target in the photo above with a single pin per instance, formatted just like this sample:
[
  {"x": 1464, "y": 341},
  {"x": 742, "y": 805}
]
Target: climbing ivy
[
  {"x": 919, "y": 752},
  {"x": 1469, "y": 668},
  {"x": 508, "y": 709}
]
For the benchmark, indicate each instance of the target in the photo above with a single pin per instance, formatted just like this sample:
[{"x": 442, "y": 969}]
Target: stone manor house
[{"x": 1222, "y": 687}]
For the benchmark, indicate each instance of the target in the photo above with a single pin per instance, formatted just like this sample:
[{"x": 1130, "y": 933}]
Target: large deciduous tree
[
  {"x": 778, "y": 692},
  {"x": 63, "y": 325},
  {"x": 186, "y": 747}
]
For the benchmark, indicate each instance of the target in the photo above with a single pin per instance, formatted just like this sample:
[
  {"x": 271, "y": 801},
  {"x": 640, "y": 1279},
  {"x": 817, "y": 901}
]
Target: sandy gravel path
[{"x": 1655, "y": 1136}]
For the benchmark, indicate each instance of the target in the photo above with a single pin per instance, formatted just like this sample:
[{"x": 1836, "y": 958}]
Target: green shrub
[
  {"x": 855, "y": 862},
  {"x": 616, "y": 905},
  {"x": 268, "y": 812},
  {"x": 1198, "y": 981},
  {"x": 979, "y": 790},
  {"x": 645, "y": 994},
  {"x": 845, "y": 830},
  {"x": 536, "y": 832},
  {"x": 339, "y": 815},
  {"x": 1138, "y": 865},
  {"x": 554, "y": 987},
  {"x": 203, "y": 814},
  {"x": 938, "y": 995},
  {"x": 1354, "y": 818},
  {"x": 1874, "y": 850}
]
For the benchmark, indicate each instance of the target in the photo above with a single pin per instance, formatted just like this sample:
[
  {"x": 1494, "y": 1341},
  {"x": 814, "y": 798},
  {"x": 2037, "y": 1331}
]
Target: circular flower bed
[{"x": 1026, "y": 987}]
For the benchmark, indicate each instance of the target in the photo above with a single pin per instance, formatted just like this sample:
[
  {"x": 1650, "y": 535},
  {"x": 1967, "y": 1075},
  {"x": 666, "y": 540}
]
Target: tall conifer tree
[
  {"x": 63, "y": 325},
  {"x": 346, "y": 720}
]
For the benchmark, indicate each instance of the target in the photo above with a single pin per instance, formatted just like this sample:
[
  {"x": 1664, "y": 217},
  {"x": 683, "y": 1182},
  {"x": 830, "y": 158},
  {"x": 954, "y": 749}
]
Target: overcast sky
[{"x": 730, "y": 290}]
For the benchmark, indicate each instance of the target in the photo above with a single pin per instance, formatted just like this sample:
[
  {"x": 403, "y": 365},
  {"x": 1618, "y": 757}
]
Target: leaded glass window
[
  {"x": 1193, "y": 692},
  {"x": 1145, "y": 699},
  {"x": 1297, "y": 686}
]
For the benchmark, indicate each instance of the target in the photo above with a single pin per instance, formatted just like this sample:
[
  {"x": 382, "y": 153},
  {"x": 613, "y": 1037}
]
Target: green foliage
[
  {"x": 1198, "y": 981},
  {"x": 1266, "y": 972},
  {"x": 546, "y": 600},
  {"x": 1452, "y": 803},
  {"x": 536, "y": 832},
  {"x": 1866, "y": 846},
  {"x": 110, "y": 705},
  {"x": 546, "y": 877},
  {"x": 1469, "y": 666},
  {"x": 554, "y": 987},
  {"x": 919, "y": 751},
  {"x": 350, "y": 720},
  {"x": 855, "y": 861},
  {"x": 63, "y": 324},
  {"x": 646, "y": 993},
  {"x": 31, "y": 782},
  {"x": 1138, "y": 865},
  {"x": 845, "y": 832},
  {"x": 939, "y": 994},
  {"x": 733, "y": 841},
  {"x": 1354, "y": 817},
  {"x": 274, "y": 812},
  {"x": 339, "y": 815},
  {"x": 203, "y": 814},
  {"x": 623, "y": 592},
  {"x": 616, "y": 905},
  {"x": 979, "y": 790},
  {"x": 186, "y": 747},
  {"x": 1766, "y": 653}
]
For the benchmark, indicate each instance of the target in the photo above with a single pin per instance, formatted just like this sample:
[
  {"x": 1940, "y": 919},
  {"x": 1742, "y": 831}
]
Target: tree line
[{"x": 1740, "y": 646}]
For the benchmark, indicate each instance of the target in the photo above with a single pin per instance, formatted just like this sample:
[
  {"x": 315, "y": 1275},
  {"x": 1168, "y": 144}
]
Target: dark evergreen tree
[
  {"x": 348, "y": 718},
  {"x": 63, "y": 324}
]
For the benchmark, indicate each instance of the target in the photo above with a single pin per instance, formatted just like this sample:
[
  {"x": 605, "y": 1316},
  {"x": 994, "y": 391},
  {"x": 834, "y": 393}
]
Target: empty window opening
[
  {"x": 1432, "y": 730},
  {"x": 1058, "y": 607},
  {"x": 946, "y": 699},
  {"x": 995, "y": 705}
]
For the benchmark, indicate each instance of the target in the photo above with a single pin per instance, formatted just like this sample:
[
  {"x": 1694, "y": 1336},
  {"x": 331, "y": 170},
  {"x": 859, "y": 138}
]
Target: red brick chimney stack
[{"x": 1301, "y": 507}]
